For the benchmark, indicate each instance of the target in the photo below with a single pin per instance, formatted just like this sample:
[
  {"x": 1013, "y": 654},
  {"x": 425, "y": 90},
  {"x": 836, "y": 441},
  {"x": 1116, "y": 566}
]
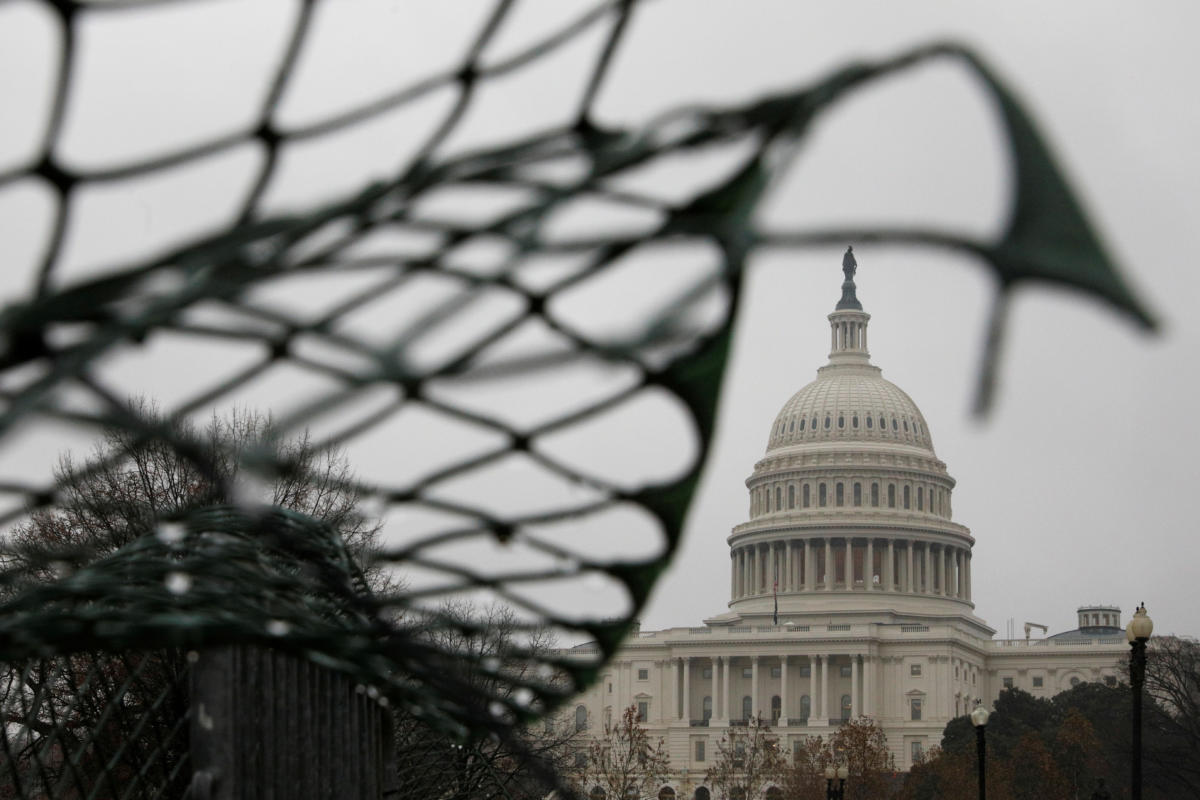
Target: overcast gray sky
[{"x": 1077, "y": 488}]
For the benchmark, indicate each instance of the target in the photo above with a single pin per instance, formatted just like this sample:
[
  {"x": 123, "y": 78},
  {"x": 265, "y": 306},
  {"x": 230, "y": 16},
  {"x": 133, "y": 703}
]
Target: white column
[
  {"x": 687, "y": 689},
  {"x": 716, "y": 698},
  {"x": 927, "y": 571},
  {"x": 868, "y": 683},
  {"x": 849, "y": 563},
  {"x": 733, "y": 592},
  {"x": 812, "y": 686},
  {"x": 810, "y": 566},
  {"x": 854, "y": 687},
  {"x": 969, "y": 576},
  {"x": 674, "y": 688},
  {"x": 770, "y": 567},
  {"x": 908, "y": 566},
  {"x": 725, "y": 685},
  {"x": 824, "y": 689},
  {"x": 869, "y": 567},
  {"x": 754, "y": 685},
  {"x": 941, "y": 570},
  {"x": 889, "y": 570},
  {"x": 783, "y": 690},
  {"x": 786, "y": 583},
  {"x": 828, "y": 564}
]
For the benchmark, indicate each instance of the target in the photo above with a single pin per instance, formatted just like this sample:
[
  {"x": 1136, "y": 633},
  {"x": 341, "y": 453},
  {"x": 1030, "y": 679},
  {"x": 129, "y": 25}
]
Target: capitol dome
[{"x": 850, "y": 500}]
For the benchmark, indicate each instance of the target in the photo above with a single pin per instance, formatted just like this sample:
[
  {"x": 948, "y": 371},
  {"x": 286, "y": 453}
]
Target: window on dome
[
  {"x": 907, "y": 496},
  {"x": 894, "y": 424},
  {"x": 792, "y": 426},
  {"x": 891, "y": 495},
  {"x": 875, "y": 494},
  {"x": 857, "y": 493},
  {"x": 840, "y": 494},
  {"x": 814, "y": 423},
  {"x": 841, "y": 421},
  {"x": 827, "y": 423},
  {"x": 821, "y": 495},
  {"x": 791, "y": 496},
  {"x": 802, "y": 423},
  {"x": 920, "y": 499},
  {"x": 870, "y": 422},
  {"x": 906, "y": 426},
  {"x": 804, "y": 496},
  {"x": 854, "y": 421},
  {"x": 778, "y": 498}
]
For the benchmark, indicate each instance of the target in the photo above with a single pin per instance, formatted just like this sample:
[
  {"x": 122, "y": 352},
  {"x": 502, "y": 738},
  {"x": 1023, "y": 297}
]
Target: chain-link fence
[{"x": 518, "y": 339}]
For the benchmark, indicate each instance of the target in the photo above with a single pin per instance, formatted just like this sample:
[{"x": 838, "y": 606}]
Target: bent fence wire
[{"x": 538, "y": 355}]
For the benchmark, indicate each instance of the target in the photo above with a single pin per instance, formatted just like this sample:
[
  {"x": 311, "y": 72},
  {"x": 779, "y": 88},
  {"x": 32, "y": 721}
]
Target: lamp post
[
  {"x": 979, "y": 718},
  {"x": 841, "y": 774},
  {"x": 1138, "y": 633}
]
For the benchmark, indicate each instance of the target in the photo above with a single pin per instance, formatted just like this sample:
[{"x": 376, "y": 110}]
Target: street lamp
[
  {"x": 1138, "y": 633},
  {"x": 979, "y": 718},
  {"x": 841, "y": 773}
]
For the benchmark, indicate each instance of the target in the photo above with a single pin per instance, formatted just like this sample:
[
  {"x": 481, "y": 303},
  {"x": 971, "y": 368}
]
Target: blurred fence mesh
[{"x": 497, "y": 312}]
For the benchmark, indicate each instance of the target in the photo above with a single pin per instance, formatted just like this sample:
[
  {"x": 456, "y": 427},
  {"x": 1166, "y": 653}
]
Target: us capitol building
[{"x": 851, "y": 537}]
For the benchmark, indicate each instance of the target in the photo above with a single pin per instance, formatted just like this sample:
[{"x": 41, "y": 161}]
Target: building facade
[{"x": 850, "y": 591}]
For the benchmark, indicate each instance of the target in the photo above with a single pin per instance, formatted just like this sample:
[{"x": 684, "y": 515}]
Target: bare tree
[
  {"x": 748, "y": 762},
  {"x": 92, "y": 718},
  {"x": 433, "y": 764},
  {"x": 621, "y": 761},
  {"x": 130, "y": 483},
  {"x": 1173, "y": 687}
]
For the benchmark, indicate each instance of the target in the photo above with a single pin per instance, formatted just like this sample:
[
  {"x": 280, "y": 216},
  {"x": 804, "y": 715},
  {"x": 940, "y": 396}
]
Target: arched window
[
  {"x": 814, "y": 424},
  {"x": 702, "y": 794},
  {"x": 776, "y": 709},
  {"x": 841, "y": 421},
  {"x": 875, "y": 495},
  {"x": 706, "y": 705},
  {"x": 827, "y": 423},
  {"x": 906, "y": 426},
  {"x": 747, "y": 707},
  {"x": 792, "y": 426},
  {"x": 580, "y": 718},
  {"x": 791, "y": 495},
  {"x": 802, "y": 423},
  {"x": 891, "y": 495},
  {"x": 907, "y": 496},
  {"x": 845, "y": 706},
  {"x": 804, "y": 496},
  {"x": 857, "y": 493},
  {"x": 805, "y": 706},
  {"x": 841, "y": 493},
  {"x": 894, "y": 427},
  {"x": 882, "y": 423},
  {"x": 920, "y": 499},
  {"x": 854, "y": 421},
  {"x": 870, "y": 422},
  {"x": 778, "y": 498},
  {"x": 821, "y": 495},
  {"x": 666, "y": 793}
]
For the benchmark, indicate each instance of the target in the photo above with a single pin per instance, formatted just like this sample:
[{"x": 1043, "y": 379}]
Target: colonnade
[
  {"x": 731, "y": 702},
  {"x": 851, "y": 563}
]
